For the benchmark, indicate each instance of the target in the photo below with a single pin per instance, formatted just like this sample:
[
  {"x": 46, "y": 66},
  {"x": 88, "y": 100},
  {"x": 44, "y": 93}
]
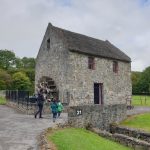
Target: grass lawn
[
  {"x": 2, "y": 101},
  {"x": 81, "y": 139},
  {"x": 141, "y": 121},
  {"x": 140, "y": 100}
]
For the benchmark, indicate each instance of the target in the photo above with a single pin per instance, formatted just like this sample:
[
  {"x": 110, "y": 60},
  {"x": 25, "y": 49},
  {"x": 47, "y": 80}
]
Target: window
[
  {"x": 48, "y": 43},
  {"x": 91, "y": 63},
  {"x": 115, "y": 66}
]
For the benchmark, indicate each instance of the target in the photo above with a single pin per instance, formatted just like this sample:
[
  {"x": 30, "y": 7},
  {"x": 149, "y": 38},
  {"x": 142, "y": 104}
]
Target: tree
[
  {"x": 2, "y": 85},
  {"x": 7, "y": 59},
  {"x": 144, "y": 81},
  {"x": 135, "y": 81},
  {"x": 12, "y": 65},
  {"x": 5, "y": 80},
  {"x": 28, "y": 62},
  {"x": 19, "y": 63},
  {"x": 21, "y": 81}
]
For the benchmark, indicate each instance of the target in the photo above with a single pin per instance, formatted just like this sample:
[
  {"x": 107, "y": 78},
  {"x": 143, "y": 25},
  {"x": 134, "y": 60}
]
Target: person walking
[
  {"x": 40, "y": 102},
  {"x": 54, "y": 107},
  {"x": 59, "y": 107}
]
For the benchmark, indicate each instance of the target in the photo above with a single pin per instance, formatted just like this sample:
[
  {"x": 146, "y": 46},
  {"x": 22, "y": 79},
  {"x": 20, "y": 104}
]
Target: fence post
[{"x": 145, "y": 99}]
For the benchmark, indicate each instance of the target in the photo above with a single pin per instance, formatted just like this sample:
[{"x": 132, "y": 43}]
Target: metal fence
[
  {"x": 141, "y": 99},
  {"x": 143, "y": 93},
  {"x": 21, "y": 98}
]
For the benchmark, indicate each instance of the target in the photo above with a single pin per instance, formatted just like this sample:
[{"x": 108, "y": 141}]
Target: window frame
[
  {"x": 115, "y": 67},
  {"x": 48, "y": 43},
  {"x": 91, "y": 63}
]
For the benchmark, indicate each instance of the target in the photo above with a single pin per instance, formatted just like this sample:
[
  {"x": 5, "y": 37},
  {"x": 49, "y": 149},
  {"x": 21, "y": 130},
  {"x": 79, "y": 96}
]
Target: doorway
[{"x": 98, "y": 93}]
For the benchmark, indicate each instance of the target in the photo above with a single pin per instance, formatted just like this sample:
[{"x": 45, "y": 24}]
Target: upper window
[
  {"x": 115, "y": 66},
  {"x": 48, "y": 43},
  {"x": 91, "y": 63}
]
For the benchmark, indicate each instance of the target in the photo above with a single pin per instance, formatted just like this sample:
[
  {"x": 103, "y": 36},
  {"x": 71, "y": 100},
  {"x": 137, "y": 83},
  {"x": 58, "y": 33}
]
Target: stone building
[{"x": 82, "y": 70}]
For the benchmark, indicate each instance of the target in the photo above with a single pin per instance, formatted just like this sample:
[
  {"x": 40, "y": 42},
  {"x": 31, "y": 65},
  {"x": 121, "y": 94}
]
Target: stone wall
[
  {"x": 116, "y": 86},
  {"x": 29, "y": 109},
  {"x": 52, "y": 62},
  {"x": 96, "y": 115},
  {"x": 142, "y": 135},
  {"x": 74, "y": 80},
  {"x": 123, "y": 139}
]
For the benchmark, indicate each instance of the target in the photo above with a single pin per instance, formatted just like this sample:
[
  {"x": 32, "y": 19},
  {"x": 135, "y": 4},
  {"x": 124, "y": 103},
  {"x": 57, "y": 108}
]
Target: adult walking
[
  {"x": 54, "y": 107},
  {"x": 40, "y": 102}
]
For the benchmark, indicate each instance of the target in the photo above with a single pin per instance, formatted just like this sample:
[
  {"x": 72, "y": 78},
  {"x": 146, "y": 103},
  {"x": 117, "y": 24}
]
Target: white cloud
[{"x": 123, "y": 22}]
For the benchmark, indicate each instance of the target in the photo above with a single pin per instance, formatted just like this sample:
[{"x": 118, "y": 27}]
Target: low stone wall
[
  {"x": 142, "y": 135},
  {"x": 30, "y": 109},
  {"x": 123, "y": 139},
  {"x": 96, "y": 115}
]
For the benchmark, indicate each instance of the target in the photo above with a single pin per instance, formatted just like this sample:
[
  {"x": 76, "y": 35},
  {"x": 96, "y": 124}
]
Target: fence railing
[
  {"x": 25, "y": 102},
  {"x": 21, "y": 99},
  {"x": 142, "y": 93},
  {"x": 141, "y": 99}
]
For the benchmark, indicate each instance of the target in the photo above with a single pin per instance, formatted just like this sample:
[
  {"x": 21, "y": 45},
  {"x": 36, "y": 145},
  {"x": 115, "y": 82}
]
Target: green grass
[
  {"x": 2, "y": 101},
  {"x": 140, "y": 100},
  {"x": 81, "y": 139},
  {"x": 141, "y": 121}
]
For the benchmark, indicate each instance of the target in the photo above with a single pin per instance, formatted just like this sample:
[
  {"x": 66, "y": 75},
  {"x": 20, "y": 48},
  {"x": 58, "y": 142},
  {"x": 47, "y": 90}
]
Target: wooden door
[{"x": 98, "y": 95}]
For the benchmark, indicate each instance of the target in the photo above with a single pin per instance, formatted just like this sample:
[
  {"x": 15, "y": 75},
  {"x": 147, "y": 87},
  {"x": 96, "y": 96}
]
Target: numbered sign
[{"x": 79, "y": 112}]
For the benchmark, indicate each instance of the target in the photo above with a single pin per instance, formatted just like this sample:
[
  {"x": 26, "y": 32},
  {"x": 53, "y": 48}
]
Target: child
[
  {"x": 59, "y": 107},
  {"x": 54, "y": 107}
]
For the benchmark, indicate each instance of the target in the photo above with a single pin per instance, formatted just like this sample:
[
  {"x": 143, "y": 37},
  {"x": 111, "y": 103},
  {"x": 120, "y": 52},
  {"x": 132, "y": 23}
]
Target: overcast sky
[{"x": 125, "y": 23}]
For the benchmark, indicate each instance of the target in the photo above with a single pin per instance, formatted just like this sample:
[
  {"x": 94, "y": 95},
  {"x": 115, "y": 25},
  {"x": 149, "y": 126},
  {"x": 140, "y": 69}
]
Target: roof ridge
[
  {"x": 81, "y": 43},
  {"x": 65, "y": 30}
]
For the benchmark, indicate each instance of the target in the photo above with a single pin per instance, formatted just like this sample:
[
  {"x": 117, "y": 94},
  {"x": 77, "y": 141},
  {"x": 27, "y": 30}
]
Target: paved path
[
  {"x": 138, "y": 110},
  {"x": 20, "y": 131}
]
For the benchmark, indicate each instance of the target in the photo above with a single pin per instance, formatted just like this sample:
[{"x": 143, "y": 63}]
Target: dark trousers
[
  {"x": 59, "y": 112},
  {"x": 54, "y": 114},
  {"x": 39, "y": 110}
]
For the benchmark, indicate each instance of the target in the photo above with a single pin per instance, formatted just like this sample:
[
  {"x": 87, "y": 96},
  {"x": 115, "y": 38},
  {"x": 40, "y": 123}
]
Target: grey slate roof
[{"x": 87, "y": 45}]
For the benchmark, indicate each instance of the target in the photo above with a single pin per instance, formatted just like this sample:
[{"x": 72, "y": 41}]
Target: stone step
[
  {"x": 135, "y": 133},
  {"x": 132, "y": 142}
]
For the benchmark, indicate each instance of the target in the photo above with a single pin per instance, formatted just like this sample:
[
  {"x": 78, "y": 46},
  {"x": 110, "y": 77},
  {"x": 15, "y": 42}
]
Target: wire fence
[{"x": 141, "y": 99}]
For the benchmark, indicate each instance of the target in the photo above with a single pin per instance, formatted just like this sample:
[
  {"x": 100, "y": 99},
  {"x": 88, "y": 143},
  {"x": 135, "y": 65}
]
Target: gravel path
[
  {"x": 138, "y": 110},
  {"x": 20, "y": 131}
]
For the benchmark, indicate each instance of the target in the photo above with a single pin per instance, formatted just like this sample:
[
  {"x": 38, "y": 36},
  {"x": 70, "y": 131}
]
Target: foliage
[
  {"x": 135, "y": 80},
  {"x": 5, "y": 80},
  {"x": 145, "y": 80},
  {"x": 77, "y": 139},
  {"x": 2, "y": 101},
  {"x": 7, "y": 59},
  {"x": 141, "y": 121},
  {"x": 28, "y": 62},
  {"x": 21, "y": 81},
  {"x": 141, "y": 81},
  {"x": 10, "y": 65},
  {"x": 140, "y": 100},
  {"x": 19, "y": 63}
]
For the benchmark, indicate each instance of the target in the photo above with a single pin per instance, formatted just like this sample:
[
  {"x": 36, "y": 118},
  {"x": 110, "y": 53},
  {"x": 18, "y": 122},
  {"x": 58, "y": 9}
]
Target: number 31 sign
[{"x": 79, "y": 112}]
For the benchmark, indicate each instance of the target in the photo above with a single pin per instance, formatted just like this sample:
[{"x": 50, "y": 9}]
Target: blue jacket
[{"x": 54, "y": 107}]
